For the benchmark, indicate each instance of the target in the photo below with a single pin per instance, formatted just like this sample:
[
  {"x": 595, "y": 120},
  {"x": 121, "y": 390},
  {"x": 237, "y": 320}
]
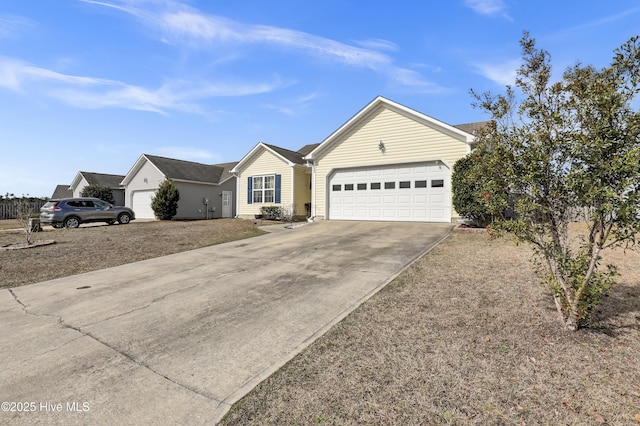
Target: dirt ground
[
  {"x": 87, "y": 249},
  {"x": 465, "y": 336}
]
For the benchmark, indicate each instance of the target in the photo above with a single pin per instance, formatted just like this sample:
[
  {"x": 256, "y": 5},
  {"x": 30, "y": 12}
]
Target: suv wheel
[
  {"x": 124, "y": 218},
  {"x": 71, "y": 222}
]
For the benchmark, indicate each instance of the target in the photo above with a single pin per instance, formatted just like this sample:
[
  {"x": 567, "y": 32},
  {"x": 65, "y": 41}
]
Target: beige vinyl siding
[
  {"x": 301, "y": 189},
  {"x": 406, "y": 140},
  {"x": 264, "y": 163}
]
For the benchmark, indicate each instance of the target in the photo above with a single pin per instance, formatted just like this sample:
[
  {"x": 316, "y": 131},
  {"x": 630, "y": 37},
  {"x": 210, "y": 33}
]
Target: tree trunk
[
  {"x": 569, "y": 317},
  {"x": 571, "y": 323}
]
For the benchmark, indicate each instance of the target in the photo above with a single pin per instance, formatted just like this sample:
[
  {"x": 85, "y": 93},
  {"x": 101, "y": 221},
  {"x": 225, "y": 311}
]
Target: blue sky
[{"x": 92, "y": 85}]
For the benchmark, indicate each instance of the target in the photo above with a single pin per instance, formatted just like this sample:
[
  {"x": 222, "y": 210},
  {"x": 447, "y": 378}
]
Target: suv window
[
  {"x": 102, "y": 204},
  {"x": 80, "y": 203}
]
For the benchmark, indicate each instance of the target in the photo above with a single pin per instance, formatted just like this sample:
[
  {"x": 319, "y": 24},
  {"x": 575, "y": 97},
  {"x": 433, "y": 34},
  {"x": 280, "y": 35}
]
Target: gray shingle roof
[
  {"x": 226, "y": 170},
  {"x": 307, "y": 149},
  {"x": 62, "y": 191},
  {"x": 471, "y": 127},
  {"x": 188, "y": 170},
  {"x": 293, "y": 156},
  {"x": 111, "y": 181}
]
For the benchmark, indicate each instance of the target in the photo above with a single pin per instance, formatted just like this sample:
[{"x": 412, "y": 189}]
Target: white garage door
[
  {"x": 408, "y": 192},
  {"x": 141, "y": 204}
]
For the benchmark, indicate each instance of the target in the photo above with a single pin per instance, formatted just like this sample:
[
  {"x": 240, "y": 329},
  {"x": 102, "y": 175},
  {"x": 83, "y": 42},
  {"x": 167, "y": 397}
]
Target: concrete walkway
[{"x": 178, "y": 339}]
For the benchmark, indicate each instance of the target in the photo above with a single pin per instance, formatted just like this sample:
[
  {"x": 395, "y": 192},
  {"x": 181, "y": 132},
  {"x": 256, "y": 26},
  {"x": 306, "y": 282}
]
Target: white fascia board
[
  {"x": 254, "y": 152},
  {"x": 246, "y": 157},
  {"x": 136, "y": 168},
  {"x": 400, "y": 109},
  {"x": 76, "y": 181}
]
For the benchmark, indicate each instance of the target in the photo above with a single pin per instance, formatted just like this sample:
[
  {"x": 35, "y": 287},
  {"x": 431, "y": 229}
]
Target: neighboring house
[
  {"x": 272, "y": 176},
  {"x": 206, "y": 191},
  {"x": 388, "y": 162},
  {"x": 83, "y": 179},
  {"x": 62, "y": 191}
]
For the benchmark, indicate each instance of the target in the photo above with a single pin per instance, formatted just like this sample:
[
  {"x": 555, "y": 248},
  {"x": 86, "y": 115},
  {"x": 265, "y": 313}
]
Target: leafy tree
[
  {"x": 467, "y": 199},
  {"x": 566, "y": 150},
  {"x": 98, "y": 191},
  {"x": 165, "y": 202}
]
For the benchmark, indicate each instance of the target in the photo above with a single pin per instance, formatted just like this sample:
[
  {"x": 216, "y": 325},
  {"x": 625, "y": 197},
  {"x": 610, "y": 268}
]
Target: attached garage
[
  {"x": 388, "y": 163},
  {"x": 141, "y": 204},
  {"x": 418, "y": 192}
]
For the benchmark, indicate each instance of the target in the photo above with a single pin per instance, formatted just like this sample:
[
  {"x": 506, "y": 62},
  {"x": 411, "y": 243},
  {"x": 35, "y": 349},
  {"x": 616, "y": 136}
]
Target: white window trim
[{"x": 263, "y": 190}]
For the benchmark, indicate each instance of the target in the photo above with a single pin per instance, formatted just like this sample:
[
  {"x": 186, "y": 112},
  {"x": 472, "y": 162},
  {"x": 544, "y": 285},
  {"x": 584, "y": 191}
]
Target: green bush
[
  {"x": 165, "y": 202},
  {"x": 467, "y": 197},
  {"x": 98, "y": 191},
  {"x": 271, "y": 212}
]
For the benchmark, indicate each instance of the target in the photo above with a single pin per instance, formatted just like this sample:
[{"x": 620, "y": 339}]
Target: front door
[{"x": 226, "y": 204}]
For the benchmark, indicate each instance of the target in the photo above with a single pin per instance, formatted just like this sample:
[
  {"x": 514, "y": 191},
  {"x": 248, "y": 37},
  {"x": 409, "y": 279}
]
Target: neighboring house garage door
[
  {"x": 141, "y": 204},
  {"x": 418, "y": 192}
]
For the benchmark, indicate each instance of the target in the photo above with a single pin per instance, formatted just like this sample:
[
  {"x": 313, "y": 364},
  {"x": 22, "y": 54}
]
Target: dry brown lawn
[
  {"x": 465, "y": 336},
  {"x": 98, "y": 247}
]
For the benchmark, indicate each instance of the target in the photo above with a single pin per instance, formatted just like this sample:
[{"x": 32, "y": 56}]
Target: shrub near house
[{"x": 165, "y": 202}]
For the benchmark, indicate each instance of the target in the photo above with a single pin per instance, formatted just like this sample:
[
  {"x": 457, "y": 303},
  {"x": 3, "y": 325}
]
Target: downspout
[
  {"x": 312, "y": 184},
  {"x": 313, "y": 190},
  {"x": 237, "y": 194},
  {"x": 293, "y": 191}
]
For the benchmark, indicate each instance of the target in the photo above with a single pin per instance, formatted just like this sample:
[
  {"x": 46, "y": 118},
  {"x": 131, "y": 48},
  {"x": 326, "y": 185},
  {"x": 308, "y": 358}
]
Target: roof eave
[
  {"x": 196, "y": 182},
  {"x": 76, "y": 181},
  {"x": 254, "y": 151},
  {"x": 374, "y": 105},
  {"x": 136, "y": 168}
]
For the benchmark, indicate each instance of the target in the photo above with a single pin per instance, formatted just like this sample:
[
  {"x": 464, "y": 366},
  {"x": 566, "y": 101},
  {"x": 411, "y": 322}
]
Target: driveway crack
[
  {"x": 142, "y": 307},
  {"x": 25, "y": 308},
  {"x": 142, "y": 364},
  {"x": 126, "y": 355}
]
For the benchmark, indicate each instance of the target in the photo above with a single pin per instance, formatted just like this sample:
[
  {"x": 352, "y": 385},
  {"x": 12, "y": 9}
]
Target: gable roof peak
[
  {"x": 291, "y": 156},
  {"x": 382, "y": 102}
]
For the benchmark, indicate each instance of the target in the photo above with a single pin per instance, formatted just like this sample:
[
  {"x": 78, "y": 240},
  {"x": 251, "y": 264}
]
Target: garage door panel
[
  {"x": 436, "y": 198},
  {"x": 416, "y": 192},
  {"x": 420, "y": 214},
  {"x": 141, "y": 204}
]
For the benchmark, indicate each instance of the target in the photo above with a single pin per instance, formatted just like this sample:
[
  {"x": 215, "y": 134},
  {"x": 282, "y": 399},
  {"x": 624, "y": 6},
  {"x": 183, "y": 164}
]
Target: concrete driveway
[{"x": 178, "y": 339}]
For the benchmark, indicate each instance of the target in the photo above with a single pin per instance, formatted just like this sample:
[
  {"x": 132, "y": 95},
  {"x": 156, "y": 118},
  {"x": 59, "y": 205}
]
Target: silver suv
[{"x": 71, "y": 212}]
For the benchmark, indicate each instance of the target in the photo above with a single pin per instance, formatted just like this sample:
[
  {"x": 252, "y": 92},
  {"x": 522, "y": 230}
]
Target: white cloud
[
  {"x": 501, "y": 73},
  {"x": 294, "y": 106},
  {"x": 11, "y": 26},
  {"x": 606, "y": 20},
  {"x": 488, "y": 7},
  {"x": 182, "y": 24},
  {"x": 416, "y": 81},
  {"x": 93, "y": 93},
  {"x": 378, "y": 44}
]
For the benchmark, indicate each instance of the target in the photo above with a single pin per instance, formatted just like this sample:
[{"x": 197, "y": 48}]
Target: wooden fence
[{"x": 10, "y": 210}]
